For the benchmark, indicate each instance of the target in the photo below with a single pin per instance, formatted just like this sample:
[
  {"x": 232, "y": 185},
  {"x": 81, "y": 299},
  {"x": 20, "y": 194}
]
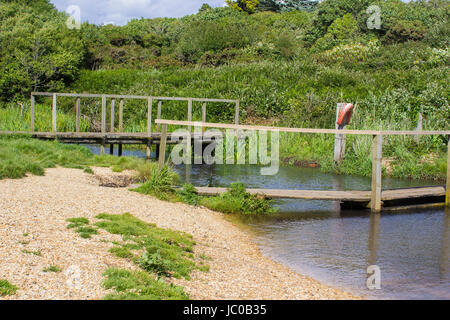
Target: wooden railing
[
  {"x": 113, "y": 98},
  {"x": 121, "y": 98},
  {"x": 377, "y": 147}
]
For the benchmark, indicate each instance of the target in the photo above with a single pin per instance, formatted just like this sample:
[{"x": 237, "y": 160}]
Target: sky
[{"x": 121, "y": 11}]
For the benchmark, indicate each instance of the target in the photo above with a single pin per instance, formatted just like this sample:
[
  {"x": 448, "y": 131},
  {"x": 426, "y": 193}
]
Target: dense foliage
[{"x": 287, "y": 66}]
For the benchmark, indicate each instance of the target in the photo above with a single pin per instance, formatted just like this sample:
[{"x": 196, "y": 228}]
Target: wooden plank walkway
[
  {"x": 106, "y": 138},
  {"x": 376, "y": 198},
  {"x": 399, "y": 195}
]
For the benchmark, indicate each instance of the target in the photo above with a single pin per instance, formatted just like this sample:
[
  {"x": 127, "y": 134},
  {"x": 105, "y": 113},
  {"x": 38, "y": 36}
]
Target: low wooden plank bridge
[
  {"x": 397, "y": 198},
  {"x": 376, "y": 199}
]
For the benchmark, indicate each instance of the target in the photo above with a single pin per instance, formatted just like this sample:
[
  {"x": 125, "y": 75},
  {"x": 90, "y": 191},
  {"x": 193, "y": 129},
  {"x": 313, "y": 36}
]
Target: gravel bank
[{"x": 39, "y": 206}]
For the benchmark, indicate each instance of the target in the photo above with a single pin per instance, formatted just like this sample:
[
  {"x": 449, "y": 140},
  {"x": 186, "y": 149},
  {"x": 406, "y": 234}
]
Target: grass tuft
[
  {"x": 36, "y": 253},
  {"x": 54, "y": 269},
  {"x": 140, "y": 285},
  {"x": 7, "y": 289},
  {"x": 161, "y": 251},
  {"x": 81, "y": 226}
]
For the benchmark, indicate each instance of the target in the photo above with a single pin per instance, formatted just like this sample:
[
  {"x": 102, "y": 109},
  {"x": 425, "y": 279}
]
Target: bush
[
  {"x": 237, "y": 200},
  {"x": 159, "y": 183},
  {"x": 404, "y": 30},
  {"x": 200, "y": 37}
]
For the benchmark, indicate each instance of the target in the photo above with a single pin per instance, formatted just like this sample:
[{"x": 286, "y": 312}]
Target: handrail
[
  {"x": 298, "y": 130},
  {"x": 117, "y": 96}
]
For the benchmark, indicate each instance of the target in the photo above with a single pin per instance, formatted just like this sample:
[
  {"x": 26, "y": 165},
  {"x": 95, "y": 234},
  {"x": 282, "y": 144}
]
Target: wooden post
[
  {"x": 113, "y": 105},
  {"x": 149, "y": 126},
  {"x": 236, "y": 116},
  {"x": 377, "y": 150},
  {"x": 158, "y": 116},
  {"x": 189, "y": 113},
  {"x": 340, "y": 139},
  {"x": 33, "y": 102},
  {"x": 447, "y": 193},
  {"x": 419, "y": 126},
  {"x": 78, "y": 113},
  {"x": 121, "y": 116},
  {"x": 102, "y": 148},
  {"x": 120, "y": 124},
  {"x": 103, "y": 114},
  {"x": 162, "y": 147},
  {"x": 54, "y": 113},
  {"x": 111, "y": 149},
  {"x": 204, "y": 114}
]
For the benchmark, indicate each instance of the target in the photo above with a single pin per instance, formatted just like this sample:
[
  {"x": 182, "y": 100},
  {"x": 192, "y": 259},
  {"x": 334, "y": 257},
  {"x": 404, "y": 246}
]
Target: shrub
[
  {"x": 404, "y": 30},
  {"x": 349, "y": 54},
  {"x": 159, "y": 183},
  {"x": 237, "y": 200}
]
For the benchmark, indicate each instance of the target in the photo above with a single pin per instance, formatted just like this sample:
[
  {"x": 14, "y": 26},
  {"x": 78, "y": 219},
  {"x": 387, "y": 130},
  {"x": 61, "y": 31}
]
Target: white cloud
[{"x": 122, "y": 11}]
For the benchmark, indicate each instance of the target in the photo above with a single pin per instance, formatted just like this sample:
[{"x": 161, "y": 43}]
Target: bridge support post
[
  {"x": 113, "y": 120},
  {"x": 33, "y": 102},
  {"x": 54, "y": 113},
  {"x": 204, "y": 115},
  {"x": 189, "y": 114},
  {"x": 158, "y": 115},
  {"x": 149, "y": 126},
  {"x": 78, "y": 113},
  {"x": 162, "y": 147},
  {"x": 121, "y": 116},
  {"x": 447, "y": 192},
  {"x": 111, "y": 149},
  {"x": 377, "y": 150},
  {"x": 120, "y": 124},
  {"x": 102, "y": 148}
]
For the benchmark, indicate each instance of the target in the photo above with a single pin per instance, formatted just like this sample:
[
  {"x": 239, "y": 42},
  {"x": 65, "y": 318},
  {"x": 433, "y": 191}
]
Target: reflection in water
[
  {"x": 374, "y": 234},
  {"x": 316, "y": 238},
  {"x": 444, "y": 265}
]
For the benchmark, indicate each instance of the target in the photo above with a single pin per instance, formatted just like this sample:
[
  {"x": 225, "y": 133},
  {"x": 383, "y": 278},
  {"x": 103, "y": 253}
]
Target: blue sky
[{"x": 121, "y": 11}]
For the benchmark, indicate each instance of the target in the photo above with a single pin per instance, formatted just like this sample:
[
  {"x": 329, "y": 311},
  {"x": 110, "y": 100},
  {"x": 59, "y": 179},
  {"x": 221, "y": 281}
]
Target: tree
[
  {"x": 38, "y": 51},
  {"x": 205, "y": 7},
  {"x": 268, "y": 5},
  {"x": 248, "y": 6},
  {"x": 289, "y": 5}
]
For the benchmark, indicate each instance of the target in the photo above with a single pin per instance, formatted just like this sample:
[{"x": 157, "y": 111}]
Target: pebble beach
[{"x": 33, "y": 236}]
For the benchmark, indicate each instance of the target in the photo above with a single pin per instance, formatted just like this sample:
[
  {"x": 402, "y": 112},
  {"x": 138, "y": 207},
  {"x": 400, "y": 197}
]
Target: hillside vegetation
[{"x": 288, "y": 67}]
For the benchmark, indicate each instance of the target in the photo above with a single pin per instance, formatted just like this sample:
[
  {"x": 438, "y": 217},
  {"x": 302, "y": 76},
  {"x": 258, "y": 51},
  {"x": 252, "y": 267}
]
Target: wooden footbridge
[{"x": 376, "y": 199}]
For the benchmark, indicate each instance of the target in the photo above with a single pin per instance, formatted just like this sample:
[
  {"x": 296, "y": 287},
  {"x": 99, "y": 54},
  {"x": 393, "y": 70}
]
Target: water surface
[{"x": 335, "y": 247}]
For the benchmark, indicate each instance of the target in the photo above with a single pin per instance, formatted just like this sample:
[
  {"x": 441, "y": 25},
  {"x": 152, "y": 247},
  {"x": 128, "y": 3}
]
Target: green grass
[
  {"x": 158, "y": 183},
  {"x": 7, "y": 289},
  {"x": 54, "y": 269},
  {"x": 20, "y": 155},
  {"x": 159, "y": 253},
  {"x": 11, "y": 119},
  {"x": 163, "y": 252},
  {"x": 140, "y": 285},
  {"x": 36, "y": 253},
  {"x": 81, "y": 226},
  {"x": 235, "y": 201}
]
